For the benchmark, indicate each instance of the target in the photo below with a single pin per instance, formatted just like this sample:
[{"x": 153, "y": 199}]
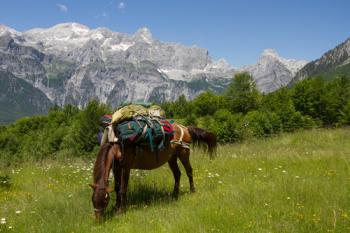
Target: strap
[{"x": 182, "y": 133}]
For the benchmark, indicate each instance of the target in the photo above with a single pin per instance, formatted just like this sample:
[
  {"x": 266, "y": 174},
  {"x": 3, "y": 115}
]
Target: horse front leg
[
  {"x": 117, "y": 185},
  {"x": 125, "y": 173}
]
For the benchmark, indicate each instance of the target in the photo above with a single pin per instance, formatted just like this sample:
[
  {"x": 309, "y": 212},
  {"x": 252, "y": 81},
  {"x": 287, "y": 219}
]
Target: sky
[{"x": 236, "y": 30}]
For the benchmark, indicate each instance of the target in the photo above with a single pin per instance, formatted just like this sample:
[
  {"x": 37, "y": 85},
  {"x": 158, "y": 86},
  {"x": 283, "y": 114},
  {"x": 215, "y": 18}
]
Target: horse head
[{"x": 100, "y": 199}]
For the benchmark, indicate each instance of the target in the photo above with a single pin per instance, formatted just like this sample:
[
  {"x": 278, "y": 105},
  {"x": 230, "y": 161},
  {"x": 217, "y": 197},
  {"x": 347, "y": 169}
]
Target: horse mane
[
  {"x": 100, "y": 163},
  {"x": 204, "y": 139}
]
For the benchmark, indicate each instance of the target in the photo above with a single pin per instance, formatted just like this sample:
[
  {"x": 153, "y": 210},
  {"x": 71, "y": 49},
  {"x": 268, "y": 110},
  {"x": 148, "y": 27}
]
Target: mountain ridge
[
  {"x": 335, "y": 61},
  {"x": 72, "y": 64}
]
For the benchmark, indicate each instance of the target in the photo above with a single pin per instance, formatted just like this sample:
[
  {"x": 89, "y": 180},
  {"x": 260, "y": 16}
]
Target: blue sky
[{"x": 235, "y": 30}]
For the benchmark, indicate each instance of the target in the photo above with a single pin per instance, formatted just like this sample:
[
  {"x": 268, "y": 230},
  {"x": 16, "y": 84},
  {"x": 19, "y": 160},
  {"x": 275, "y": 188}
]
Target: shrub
[{"x": 262, "y": 124}]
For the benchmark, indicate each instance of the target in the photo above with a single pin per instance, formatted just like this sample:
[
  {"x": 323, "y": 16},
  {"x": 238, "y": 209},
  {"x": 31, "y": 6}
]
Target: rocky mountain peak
[
  {"x": 272, "y": 71},
  {"x": 144, "y": 34},
  {"x": 269, "y": 53},
  {"x": 72, "y": 27},
  {"x": 4, "y": 29}
]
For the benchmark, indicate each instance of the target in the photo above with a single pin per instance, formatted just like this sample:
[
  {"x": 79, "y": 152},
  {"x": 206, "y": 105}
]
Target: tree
[
  {"x": 308, "y": 97},
  {"x": 336, "y": 99},
  {"x": 207, "y": 103},
  {"x": 87, "y": 126},
  {"x": 242, "y": 95},
  {"x": 281, "y": 103}
]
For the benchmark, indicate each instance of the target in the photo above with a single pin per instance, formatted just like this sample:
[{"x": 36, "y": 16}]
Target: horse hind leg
[
  {"x": 184, "y": 156},
  {"x": 176, "y": 172}
]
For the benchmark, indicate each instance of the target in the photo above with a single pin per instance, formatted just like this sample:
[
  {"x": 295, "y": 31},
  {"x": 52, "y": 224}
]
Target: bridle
[{"x": 99, "y": 210}]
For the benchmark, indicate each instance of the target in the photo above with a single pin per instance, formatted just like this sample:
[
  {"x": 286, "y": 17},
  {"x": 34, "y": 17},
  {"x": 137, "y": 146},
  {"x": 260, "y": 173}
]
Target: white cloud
[
  {"x": 62, "y": 8},
  {"x": 121, "y": 6}
]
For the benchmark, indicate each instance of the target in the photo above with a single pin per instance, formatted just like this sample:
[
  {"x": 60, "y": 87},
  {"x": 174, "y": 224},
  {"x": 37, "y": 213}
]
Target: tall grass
[{"x": 292, "y": 183}]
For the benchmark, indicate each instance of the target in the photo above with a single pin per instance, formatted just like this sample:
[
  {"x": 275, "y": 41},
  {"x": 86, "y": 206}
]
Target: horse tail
[{"x": 201, "y": 137}]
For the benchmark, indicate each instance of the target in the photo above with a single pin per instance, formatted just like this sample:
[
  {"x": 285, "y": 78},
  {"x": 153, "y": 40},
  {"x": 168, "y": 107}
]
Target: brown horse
[{"x": 110, "y": 157}]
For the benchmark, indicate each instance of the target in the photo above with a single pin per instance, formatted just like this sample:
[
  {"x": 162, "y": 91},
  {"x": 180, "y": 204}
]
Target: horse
[{"x": 123, "y": 157}]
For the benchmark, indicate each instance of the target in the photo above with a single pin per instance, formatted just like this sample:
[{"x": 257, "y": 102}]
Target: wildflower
[
  {"x": 297, "y": 177},
  {"x": 288, "y": 198},
  {"x": 266, "y": 204},
  {"x": 10, "y": 227},
  {"x": 216, "y": 174},
  {"x": 18, "y": 211},
  {"x": 259, "y": 168},
  {"x": 220, "y": 182},
  {"x": 284, "y": 171},
  {"x": 3, "y": 221}
]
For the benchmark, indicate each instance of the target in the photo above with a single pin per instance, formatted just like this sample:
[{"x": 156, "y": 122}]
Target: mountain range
[{"x": 71, "y": 64}]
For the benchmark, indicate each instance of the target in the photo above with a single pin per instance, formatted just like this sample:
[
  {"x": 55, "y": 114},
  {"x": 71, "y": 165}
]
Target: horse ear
[
  {"x": 109, "y": 189},
  {"x": 93, "y": 186}
]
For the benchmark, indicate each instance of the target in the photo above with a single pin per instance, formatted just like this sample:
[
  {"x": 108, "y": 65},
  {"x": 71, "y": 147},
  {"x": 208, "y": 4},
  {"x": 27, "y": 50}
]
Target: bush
[
  {"x": 224, "y": 124},
  {"x": 262, "y": 124}
]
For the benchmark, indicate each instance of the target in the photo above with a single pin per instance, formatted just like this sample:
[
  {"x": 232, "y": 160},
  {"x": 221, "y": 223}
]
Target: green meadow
[{"x": 296, "y": 182}]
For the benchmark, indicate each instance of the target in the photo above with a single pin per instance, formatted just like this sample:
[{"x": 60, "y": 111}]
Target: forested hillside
[{"x": 241, "y": 112}]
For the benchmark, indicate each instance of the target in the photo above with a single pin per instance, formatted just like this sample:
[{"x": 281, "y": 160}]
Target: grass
[{"x": 292, "y": 183}]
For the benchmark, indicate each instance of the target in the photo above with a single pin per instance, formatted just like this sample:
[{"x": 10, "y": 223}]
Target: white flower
[
  {"x": 3, "y": 221},
  {"x": 284, "y": 171},
  {"x": 259, "y": 168},
  {"x": 297, "y": 177},
  {"x": 220, "y": 182},
  {"x": 10, "y": 227},
  {"x": 18, "y": 211}
]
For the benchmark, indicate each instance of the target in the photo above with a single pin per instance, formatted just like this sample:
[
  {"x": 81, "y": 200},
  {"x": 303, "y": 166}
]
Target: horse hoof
[
  {"x": 175, "y": 195},
  {"x": 120, "y": 211},
  {"x": 192, "y": 190}
]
